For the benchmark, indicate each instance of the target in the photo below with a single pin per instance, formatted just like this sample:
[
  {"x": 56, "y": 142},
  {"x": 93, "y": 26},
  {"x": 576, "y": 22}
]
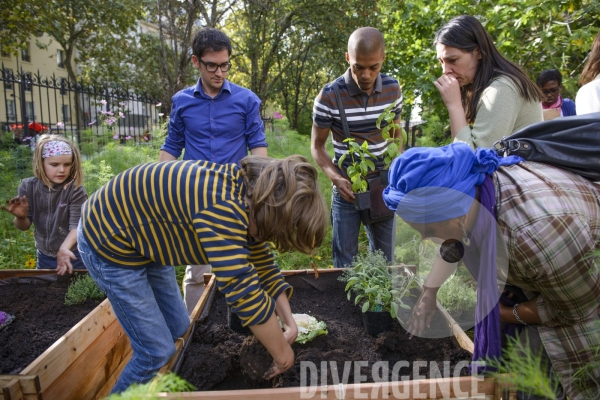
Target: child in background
[{"x": 52, "y": 200}]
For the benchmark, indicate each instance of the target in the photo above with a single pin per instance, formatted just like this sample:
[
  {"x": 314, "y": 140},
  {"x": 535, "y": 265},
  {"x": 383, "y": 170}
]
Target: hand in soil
[
  {"x": 255, "y": 360},
  {"x": 257, "y": 363},
  {"x": 422, "y": 314}
]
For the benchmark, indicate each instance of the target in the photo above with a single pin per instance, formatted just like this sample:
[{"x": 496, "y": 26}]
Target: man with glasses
[
  {"x": 550, "y": 83},
  {"x": 214, "y": 120}
]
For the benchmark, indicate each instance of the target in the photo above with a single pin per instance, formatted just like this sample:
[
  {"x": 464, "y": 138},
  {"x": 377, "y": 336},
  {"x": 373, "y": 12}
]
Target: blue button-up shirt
[{"x": 220, "y": 129}]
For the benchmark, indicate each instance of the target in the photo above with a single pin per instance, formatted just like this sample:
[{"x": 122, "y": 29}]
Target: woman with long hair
[
  {"x": 588, "y": 96},
  {"x": 487, "y": 96}
]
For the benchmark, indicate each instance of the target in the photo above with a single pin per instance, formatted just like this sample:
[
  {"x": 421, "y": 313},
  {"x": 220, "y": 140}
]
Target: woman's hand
[
  {"x": 423, "y": 312},
  {"x": 17, "y": 206},
  {"x": 449, "y": 89}
]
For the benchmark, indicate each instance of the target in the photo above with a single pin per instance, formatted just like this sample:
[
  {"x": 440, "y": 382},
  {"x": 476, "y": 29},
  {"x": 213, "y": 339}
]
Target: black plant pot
[
  {"x": 362, "y": 201},
  {"x": 376, "y": 322},
  {"x": 235, "y": 324},
  {"x": 383, "y": 177}
]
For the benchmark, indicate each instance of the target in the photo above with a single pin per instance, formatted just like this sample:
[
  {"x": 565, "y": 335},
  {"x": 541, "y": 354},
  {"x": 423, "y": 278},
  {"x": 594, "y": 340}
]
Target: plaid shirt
[{"x": 550, "y": 219}]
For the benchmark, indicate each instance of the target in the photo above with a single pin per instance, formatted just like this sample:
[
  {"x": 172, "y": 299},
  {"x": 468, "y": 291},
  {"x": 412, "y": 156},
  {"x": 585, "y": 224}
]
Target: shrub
[
  {"x": 456, "y": 295},
  {"x": 82, "y": 288}
]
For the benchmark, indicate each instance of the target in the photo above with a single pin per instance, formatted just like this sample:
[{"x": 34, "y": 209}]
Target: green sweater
[{"x": 501, "y": 111}]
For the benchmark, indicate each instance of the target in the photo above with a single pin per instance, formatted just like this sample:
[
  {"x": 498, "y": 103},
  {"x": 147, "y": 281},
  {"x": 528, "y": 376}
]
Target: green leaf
[{"x": 365, "y": 307}]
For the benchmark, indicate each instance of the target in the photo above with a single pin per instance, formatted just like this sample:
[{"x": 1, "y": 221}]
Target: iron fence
[{"x": 33, "y": 104}]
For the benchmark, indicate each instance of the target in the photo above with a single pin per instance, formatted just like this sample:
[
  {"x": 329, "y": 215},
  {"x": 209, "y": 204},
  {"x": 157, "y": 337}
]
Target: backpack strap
[{"x": 338, "y": 98}]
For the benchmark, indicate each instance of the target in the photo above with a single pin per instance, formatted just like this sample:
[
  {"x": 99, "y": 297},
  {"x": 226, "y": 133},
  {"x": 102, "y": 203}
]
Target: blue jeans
[
  {"x": 49, "y": 262},
  {"x": 148, "y": 304},
  {"x": 345, "y": 221}
]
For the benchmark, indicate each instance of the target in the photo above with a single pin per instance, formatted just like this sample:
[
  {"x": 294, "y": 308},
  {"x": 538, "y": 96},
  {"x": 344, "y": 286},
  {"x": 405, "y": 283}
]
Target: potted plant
[
  {"x": 379, "y": 289},
  {"x": 393, "y": 143},
  {"x": 357, "y": 171}
]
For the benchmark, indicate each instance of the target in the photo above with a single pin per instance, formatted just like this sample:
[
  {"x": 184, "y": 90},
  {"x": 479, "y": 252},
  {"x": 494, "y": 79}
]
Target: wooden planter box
[
  {"x": 84, "y": 363},
  {"x": 460, "y": 387}
]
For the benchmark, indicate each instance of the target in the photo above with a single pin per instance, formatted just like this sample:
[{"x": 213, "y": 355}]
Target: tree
[
  {"x": 536, "y": 36},
  {"x": 19, "y": 20},
  {"x": 177, "y": 22},
  {"x": 90, "y": 27},
  {"x": 289, "y": 50}
]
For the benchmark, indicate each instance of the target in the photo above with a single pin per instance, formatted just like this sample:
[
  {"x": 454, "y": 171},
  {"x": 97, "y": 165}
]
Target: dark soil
[
  {"x": 41, "y": 318},
  {"x": 212, "y": 359}
]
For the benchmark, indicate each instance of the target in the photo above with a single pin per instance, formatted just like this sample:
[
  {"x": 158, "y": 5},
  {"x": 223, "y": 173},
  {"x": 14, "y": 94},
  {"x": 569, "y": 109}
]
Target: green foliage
[
  {"x": 82, "y": 288},
  {"x": 168, "y": 383},
  {"x": 394, "y": 144},
  {"x": 523, "y": 370},
  {"x": 359, "y": 166},
  {"x": 376, "y": 285},
  {"x": 17, "y": 248},
  {"x": 456, "y": 295},
  {"x": 582, "y": 378},
  {"x": 412, "y": 250}
]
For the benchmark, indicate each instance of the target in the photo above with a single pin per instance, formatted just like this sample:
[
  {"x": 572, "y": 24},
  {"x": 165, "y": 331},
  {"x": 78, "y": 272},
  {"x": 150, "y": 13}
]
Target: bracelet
[{"x": 517, "y": 315}]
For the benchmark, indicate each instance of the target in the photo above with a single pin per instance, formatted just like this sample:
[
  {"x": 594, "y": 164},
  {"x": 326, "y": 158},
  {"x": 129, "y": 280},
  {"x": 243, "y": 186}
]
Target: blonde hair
[
  {"x": 76, "y": 173},
  {"x": 286, "y": 202}
]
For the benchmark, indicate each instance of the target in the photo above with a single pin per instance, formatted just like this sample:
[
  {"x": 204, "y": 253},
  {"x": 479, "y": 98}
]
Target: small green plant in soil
[
  {"x": 394, "y": 144},
  {"x": 456, "y": 295},
  {"x": 376, "y": 285},
  {"x": 168, "y": 383},
  {"x": 82, "y": 288},
  {"x": 522, "y": 370},
  {"x": 361, "y": 164}
]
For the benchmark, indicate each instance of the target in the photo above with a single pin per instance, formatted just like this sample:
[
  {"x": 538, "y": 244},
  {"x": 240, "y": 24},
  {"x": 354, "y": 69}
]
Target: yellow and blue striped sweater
[{"x": 186, "y": 212}]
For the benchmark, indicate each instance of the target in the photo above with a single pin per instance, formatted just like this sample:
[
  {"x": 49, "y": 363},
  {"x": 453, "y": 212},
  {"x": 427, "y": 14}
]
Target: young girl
[{"x": 52, "y": 202}]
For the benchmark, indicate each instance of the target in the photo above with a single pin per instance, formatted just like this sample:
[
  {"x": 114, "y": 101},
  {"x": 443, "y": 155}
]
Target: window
[
  {"x": 29, "y": 111},
  {"x": 62, "y": 84},
  {"x": 66, "y": 113},
  {"x": 60, "y": 58},
  {"x": 11, "y": 109},
  {"x": 8, "y": 77},
  {"x": 4, "y": 53},
  {"x": 25, "y": 56},
  {"x": 27, "y": 82}
]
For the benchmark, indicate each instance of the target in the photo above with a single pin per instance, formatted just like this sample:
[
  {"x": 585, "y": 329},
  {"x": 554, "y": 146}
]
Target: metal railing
[{"x": 33, "y": 104}]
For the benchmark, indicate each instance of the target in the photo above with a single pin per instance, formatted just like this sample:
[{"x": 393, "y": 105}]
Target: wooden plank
[
  {"x": 97, "y": 377},
  {"x": 97, "y": 358},
  {"x": 110, "y": 382},
  {"x": 58, "y": 357},
  {"x": 196, "y": 312},
  {"x": 10, "y": 273},
  {"x": 461, "y": 387},
  {"x": 26, "y": 387},
  {"x": 203, "y": 300},
  {"x": 11, "y": 389}
]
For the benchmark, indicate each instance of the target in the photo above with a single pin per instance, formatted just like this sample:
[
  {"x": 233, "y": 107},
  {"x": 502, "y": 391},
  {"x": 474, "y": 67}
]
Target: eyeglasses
[
  {"x": 550, "y": 91},
  {"x": 212, "y": 67}
]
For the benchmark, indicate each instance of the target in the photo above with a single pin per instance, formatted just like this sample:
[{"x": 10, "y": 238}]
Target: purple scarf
[{"x": 480, "y": 260}]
